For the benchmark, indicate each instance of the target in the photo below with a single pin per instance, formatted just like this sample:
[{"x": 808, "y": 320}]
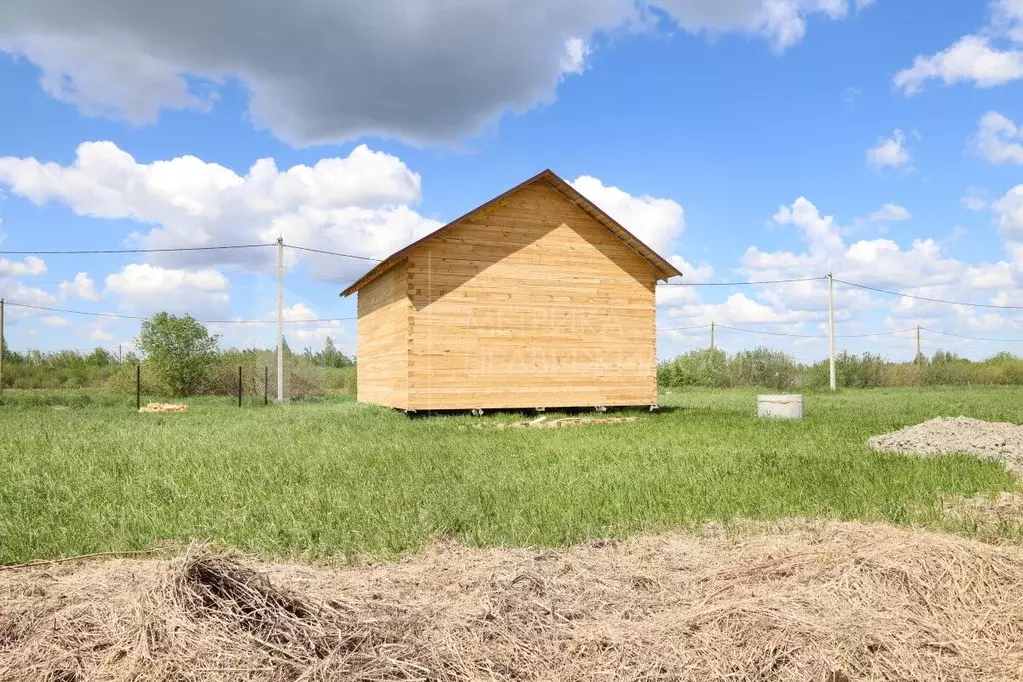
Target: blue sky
[{"x": 746, "y": 139}]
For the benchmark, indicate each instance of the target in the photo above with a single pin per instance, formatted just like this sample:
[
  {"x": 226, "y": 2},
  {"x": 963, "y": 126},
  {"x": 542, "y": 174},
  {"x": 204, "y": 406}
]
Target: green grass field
[{"x": 82, "y": 474}]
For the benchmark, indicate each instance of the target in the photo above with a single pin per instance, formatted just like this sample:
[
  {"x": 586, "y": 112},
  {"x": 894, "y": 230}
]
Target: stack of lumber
[{"x": 164, "y": 407}]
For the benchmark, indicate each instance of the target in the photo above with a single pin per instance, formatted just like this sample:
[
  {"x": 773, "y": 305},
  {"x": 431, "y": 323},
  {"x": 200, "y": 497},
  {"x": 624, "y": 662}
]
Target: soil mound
[{"x": 999, "y": 441}]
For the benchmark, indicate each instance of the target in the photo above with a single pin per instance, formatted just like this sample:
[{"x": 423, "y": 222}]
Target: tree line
[
  {"x": 180, "y": 357},
  {"x": 767, "y": 368}
]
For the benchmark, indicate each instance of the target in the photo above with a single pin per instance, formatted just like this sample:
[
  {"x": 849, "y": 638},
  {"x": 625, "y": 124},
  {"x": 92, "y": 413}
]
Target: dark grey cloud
[
  {"x": 317, "y": 70},
  {"x": 424, "y": 71}
]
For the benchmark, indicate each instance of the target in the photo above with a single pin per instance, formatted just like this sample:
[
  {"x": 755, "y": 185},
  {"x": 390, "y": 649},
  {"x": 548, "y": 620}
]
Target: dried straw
[{"x": 822, "y": 602}]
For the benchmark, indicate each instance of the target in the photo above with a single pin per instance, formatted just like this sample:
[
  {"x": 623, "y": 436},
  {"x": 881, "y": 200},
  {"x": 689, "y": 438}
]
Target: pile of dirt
[
  {"x": 824, "y": 601},
  {"x": 164, "y": 407},
  {"x": 999, "y": 441}
]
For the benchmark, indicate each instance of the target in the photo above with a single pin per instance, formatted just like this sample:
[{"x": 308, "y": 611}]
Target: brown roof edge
[{"x": 566, "y": 190}]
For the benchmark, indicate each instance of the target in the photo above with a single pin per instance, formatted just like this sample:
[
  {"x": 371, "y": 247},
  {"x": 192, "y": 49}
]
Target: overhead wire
[
  {"x": 769, "y": 333},
  {"x": 119, "y": 316},
  {"x": 377, "y": 260},
  {"x": 87, "y": 252},
  {"x": 332, "y": 253},
  {"x": 680, "y": 329},
  {"x": 741, "y": 284},
  {"x": 801, "y": 336},
  {"x": 928, "y": 298},
  {"x": 970, "y": 338}
]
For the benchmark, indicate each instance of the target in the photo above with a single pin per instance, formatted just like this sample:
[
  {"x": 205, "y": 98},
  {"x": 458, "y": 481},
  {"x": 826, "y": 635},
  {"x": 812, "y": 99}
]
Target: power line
[
  {"x": 971, "y": 338},
  {"x": 86, "y": 252},
  {"x": 741, "y": 284},
  {"x": 118, "y": 316},
  {"x": 809, "y": 336},
  {"x": 679, "y": 329},
  {"x": 74, "y": 312},
  {"x": 865, "y": 336},
  {"x": 929, "y": 298},
  {"x": 755, "y": 331},
  {"x": 316, "y": 320},
  {"x": 332, "y": 253}
]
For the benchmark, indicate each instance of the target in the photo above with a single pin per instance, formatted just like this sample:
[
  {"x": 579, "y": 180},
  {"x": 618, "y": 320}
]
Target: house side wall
[
  {"x": 383, "y": 339},
  {"x": 530, "y": 303}
]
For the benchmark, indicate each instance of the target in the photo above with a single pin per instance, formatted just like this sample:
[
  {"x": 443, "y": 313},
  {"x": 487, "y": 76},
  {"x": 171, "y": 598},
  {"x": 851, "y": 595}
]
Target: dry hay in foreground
[
  {"x": 1003, "y": 508},
  {"x": 998, "y": 441},
  {"x": 819, "y": 602},
  {"x": 164, "y": 407}
]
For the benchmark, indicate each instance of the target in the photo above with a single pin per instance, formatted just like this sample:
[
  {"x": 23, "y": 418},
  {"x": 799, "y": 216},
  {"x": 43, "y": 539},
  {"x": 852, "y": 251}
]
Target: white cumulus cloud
[
  {"x": 988, "y": 58},
  {"x": 890, "y": 213},
  {"x": 782, "y": 22},
  {"x": 30, "y": 266},
  {"x": 925, "y": 267},
  {"x": 657, "y": 222},
  {"x": 890, "y": 152},
  {"x": 822, "y": 233},
  {"x": 999, "y": 139},
  {"x": 975, "y": 199},
  {"x": 358, "y": 204},
  {"x": 146, "y": 289},
  {"x": 82, "y": 286}
]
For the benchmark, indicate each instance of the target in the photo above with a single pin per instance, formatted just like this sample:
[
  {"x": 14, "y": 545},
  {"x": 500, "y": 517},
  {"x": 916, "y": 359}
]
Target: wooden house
[{"x": 537, "y": 299}]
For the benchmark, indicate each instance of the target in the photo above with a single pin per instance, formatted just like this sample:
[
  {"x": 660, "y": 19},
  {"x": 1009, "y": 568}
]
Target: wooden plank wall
[
  {"x": 530, "y": 303},
  {"x": 384, "y": 310}
]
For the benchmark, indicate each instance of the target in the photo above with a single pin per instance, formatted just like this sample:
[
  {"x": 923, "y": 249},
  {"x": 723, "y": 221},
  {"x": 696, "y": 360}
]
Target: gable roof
[{"x": 665, "y": 267}]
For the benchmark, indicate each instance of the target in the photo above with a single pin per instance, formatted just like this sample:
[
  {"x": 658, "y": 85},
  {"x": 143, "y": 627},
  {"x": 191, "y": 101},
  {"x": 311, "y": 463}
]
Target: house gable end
[{"x": 663, "y": 268}]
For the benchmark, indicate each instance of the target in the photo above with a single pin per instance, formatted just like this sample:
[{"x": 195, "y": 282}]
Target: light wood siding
[
  {"x": 530, "y": 303},
  {"x": 383, "y": 340}
]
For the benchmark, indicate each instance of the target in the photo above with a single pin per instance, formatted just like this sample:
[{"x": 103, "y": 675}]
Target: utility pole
[
  {"x": 118, "y": 353},
  {"x": 918, "y": 353},
  {"x": 712, "y": 336},
  {"x": 280, "y": 319},
  {"x": 1, "y": 346},
  {"x": 831, "y": 326}
]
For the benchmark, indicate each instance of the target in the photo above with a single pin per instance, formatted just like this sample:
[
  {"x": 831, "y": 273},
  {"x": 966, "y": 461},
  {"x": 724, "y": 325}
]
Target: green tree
[
  {"x": 181, "y": 350},
  {"x": 10, "y": 355},
  {"x": 330, "y": 356},
  {"x": 100, "y": 358}
]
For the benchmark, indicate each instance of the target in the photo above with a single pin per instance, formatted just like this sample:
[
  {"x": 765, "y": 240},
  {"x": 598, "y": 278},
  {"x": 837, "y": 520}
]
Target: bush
[
  {"x": 180, "y": 350},
  {"x": 707, "y": 368},
  {"x": 762, "y": 367}
]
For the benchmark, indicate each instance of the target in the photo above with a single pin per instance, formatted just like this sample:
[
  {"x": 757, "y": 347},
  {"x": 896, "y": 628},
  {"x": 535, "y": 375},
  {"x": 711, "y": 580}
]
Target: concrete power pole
[
  {"x": 918, "y": 350},
  {"x": 280, "y": 319},
  {"x": 1, "y": 346},
  {"x": 712, "y": 336},
  {"x": 831, "y": 326}
]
